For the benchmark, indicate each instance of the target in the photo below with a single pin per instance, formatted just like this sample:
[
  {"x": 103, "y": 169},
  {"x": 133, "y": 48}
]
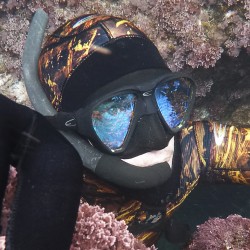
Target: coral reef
[
  {"x": 216, "y": 233},
  {"x": 193, "y": 33},
  {"x": 94, "y": 228}
]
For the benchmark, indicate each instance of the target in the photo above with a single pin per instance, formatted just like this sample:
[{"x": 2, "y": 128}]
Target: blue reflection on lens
[
  {"x": 112, "y": 118},
  {"x": 173, "y": 99}
]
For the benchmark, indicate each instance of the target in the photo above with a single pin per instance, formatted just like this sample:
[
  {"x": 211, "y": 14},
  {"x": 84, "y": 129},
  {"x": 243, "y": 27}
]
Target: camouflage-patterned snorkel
[{"x": 110, "y": 168}]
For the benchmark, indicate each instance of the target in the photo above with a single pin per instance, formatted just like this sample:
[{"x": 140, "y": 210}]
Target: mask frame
[{"x": 134, "y": 83}]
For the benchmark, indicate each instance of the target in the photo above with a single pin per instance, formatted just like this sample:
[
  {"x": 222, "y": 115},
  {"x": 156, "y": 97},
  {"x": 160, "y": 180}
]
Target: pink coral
[
  {"x": 96, "y": 229},
  {"x": 216, "y": 233},
  {"x": 197, "y": 32},
  {"x": 187, "y": 33},
  {"x": 9, "y": 196},
  {"x": 13, "y": 31}
]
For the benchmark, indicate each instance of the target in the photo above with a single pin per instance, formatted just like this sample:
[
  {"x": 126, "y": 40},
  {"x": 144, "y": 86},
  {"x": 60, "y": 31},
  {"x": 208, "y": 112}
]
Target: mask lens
[
  {"x": 111, "y": 119},
  {"x": 173, "y": 99}
]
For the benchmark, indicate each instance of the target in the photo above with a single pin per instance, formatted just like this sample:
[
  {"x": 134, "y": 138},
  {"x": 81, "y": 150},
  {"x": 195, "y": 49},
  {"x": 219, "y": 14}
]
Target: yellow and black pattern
[
  {"x": 227, "y": 158},
  {"x": 57, "y": 63},
  {"x": 120, "y": 27},
  {"x": 228, "y": 149},
  {"x": 73, "y": 43},
  {"x": 215, "y": 152},
  {"x": 190, "y": 169}
]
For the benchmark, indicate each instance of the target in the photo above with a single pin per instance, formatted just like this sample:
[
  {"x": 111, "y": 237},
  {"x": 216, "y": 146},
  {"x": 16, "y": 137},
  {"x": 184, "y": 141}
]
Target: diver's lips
[{"x": 154, "y": 157}]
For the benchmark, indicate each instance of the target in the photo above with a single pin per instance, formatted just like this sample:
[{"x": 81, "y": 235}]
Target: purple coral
[
  {"x": 96, "y": 229},
  {"x": 216, "y": 233},
  {"x": 193, "y": 33},
  {"x": 196, "y": 33},
  {"x": 8, "y": 198}
]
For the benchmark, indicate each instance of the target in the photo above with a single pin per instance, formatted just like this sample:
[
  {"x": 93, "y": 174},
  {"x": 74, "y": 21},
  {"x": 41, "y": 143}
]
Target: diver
[{"x": 111, "y": 128}]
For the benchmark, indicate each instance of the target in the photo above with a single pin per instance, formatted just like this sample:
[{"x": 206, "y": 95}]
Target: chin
[{"x": 153, "y": 157}]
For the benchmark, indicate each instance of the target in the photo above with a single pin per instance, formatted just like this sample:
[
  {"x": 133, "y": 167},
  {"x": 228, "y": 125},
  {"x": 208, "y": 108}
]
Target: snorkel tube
[
  {"x": 36, "y": 93},
  {"x": 109, "y": 168}
]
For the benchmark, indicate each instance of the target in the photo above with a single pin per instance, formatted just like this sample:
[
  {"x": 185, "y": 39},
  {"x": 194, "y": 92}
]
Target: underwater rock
[
  {"x": 13, "y": 88},
  {"x": 240, "y": 114}
]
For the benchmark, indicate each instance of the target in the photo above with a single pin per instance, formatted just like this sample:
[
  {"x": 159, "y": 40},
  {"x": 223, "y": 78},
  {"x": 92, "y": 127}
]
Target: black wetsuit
[{"x": 49, "y": 179}]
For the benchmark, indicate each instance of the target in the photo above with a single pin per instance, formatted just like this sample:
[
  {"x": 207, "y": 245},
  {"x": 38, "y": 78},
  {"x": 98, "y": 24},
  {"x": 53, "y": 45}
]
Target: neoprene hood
[{"x": 88, "y": 52}]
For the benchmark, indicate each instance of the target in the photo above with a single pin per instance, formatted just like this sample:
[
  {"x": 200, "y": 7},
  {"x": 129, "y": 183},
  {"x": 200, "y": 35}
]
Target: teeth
[{"x": 154, "y": 157}]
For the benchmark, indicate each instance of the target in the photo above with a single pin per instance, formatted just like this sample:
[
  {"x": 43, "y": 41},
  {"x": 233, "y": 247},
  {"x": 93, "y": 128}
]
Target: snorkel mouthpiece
[{"x": 109, "y": 168}]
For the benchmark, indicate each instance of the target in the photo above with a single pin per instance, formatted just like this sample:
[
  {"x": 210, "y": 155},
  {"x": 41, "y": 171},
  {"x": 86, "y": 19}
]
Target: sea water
[{"x": 209, "y": 201}]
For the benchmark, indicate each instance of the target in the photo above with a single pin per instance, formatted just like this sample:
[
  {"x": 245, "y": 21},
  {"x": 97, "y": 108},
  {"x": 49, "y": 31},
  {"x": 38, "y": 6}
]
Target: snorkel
[{"x": 108, "y": 167}]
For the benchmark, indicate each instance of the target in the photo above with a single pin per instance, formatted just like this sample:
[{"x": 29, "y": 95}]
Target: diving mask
[{"x": 109, "y": 121}]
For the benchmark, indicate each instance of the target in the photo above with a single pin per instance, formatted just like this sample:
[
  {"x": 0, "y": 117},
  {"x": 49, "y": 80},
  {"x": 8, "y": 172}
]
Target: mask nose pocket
[
  {"x": 149, "y": 135},
  {"x": 151, "y": 131}
]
